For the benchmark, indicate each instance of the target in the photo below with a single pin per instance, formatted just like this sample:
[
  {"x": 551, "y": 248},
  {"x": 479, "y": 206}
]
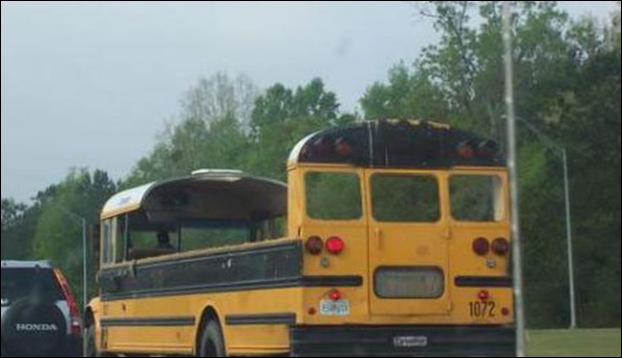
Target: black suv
[{"x": 40, "y": 317}]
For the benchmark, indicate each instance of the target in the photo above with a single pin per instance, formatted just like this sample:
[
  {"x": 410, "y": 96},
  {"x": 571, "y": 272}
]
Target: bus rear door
[{"x": 409, "y": 243}]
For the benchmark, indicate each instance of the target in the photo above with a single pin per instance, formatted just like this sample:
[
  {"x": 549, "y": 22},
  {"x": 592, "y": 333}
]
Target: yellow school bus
[{"x": 390, "y": 239}]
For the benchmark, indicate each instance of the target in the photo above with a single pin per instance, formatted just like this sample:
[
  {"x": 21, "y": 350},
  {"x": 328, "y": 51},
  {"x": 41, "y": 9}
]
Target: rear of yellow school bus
[
  {"x": 408, "y": 224},
  {"x": 397, "y": 245}
]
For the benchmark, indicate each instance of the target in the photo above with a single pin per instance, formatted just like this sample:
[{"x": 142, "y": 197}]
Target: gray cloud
[{"x": 91, "y": 83}]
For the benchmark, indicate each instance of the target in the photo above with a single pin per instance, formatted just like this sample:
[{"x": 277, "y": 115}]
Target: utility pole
[
  {"x": 513, "y": 172},
  {"x": 571, "y": 278}
]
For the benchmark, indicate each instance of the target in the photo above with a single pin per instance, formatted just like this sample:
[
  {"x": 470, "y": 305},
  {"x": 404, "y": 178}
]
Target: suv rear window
[{"x": 21, "y": 283}]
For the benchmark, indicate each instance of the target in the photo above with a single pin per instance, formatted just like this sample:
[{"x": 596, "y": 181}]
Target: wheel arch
[{"x": 209, "y": 314}]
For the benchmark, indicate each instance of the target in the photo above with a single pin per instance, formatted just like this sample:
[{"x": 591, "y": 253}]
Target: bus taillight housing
[
  {"x": 481, "y": 246},
  {"x": 335, "y": 245},
  {"x": 501, "y": 247},
  {"x": 315, "y": 245}
]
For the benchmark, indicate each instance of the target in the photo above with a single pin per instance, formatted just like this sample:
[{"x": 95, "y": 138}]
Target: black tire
[
  {"x": 91, "y": 347},
  {"x": 34, "y": 329},
  {"x": 212, "y": 341}
]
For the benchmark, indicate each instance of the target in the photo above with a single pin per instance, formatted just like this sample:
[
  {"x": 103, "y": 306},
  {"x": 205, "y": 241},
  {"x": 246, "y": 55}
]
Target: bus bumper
[{"x": 403, "y": 341}]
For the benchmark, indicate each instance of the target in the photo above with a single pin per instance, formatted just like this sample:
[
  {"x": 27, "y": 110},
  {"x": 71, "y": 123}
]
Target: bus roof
[
  {"x": 398, "y": 144},
  {"x": 223, "y": 194}
]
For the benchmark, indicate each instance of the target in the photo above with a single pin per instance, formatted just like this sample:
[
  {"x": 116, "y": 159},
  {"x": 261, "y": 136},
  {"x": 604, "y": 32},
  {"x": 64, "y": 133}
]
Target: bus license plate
[{"x": 335, "y": 308}]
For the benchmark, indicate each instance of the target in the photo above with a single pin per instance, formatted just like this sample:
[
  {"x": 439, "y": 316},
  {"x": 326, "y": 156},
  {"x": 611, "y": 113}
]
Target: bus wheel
[
  {"x": 212, "y": 342},
  {"x": 91, "y": 347}
]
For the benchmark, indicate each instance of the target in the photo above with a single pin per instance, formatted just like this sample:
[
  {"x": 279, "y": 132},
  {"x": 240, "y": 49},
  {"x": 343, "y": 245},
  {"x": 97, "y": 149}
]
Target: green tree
[
  {"x": 409, "y": 94},
  {"x": 591, "y": 129},
  {"x": 18, "y": 221},
  {"x": 282, "y": 117},
  {"x": 218, "y": 97},
  {"x": 58, "y": 230},
  {"x": 460, "y": 80},
  {"x": 211, "y": 133},
  {"x": 223, "y": 125}
]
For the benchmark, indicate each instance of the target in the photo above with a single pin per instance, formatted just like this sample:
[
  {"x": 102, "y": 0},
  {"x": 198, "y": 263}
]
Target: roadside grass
[{"x": 579, "y": 343}]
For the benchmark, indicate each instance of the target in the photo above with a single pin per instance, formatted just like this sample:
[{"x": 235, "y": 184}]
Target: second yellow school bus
[{"x": 390, "y": 239}]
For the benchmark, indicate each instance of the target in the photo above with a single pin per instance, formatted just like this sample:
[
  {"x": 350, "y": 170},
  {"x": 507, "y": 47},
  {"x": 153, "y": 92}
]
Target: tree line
[{"x": 567, "y": 87}]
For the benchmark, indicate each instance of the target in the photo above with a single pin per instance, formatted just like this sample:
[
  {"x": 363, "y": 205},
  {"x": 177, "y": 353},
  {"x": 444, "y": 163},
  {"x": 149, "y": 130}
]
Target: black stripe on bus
[
  {"x": 309, "y": 281},
  {"x": 483, "y": 281},
  {"x": 150, "y": 322},
  {"x": 277, "y": 266},
  {"x": 332, "y": 281},
  {"x": 288, "y": 319}
]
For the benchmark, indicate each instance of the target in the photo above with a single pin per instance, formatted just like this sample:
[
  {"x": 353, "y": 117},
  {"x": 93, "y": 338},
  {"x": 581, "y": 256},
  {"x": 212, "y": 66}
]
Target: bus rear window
[
  {"x": 405, "y": 198},
  {"x": 477, "y": 198},
  {"x": 333, "y": 196}
]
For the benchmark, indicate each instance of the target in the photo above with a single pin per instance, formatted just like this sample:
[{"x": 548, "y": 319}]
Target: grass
[{"x": 579, "y": 343}]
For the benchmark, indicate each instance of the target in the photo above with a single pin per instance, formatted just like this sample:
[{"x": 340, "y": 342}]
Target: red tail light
[
  {"x": 335, "y": 295},
  {"x": 335, "y": 245},
  {"x": 315, "y": 245},
  {"x": 501, "y": 246},
  {"x": 76, "y": 322},
  {"x": 483, "y": 296},
  {"x": 481, "y": 246}
]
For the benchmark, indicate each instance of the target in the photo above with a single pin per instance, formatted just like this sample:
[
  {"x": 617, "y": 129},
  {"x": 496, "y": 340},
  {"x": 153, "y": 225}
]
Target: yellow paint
[{"x": 369, "y": 244}]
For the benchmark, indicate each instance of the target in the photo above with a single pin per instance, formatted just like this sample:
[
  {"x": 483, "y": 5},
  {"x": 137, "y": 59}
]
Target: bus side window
[
  {"x": 106, "y": 244},
  {"x": 276, "y": 227},
  {"x": 152, "y": 242},
  {"x": 269, "y": 229},
  {"x": 113, "y": 240}
]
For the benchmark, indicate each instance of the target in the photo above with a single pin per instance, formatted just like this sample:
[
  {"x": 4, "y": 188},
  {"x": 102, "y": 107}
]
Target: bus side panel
[{"x": 156, "y": 306}]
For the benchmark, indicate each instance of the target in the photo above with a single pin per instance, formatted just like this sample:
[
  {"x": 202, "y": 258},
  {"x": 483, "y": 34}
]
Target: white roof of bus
[
  {"x": 134, "y": 199},
  {"x": 127, "y": 200}
]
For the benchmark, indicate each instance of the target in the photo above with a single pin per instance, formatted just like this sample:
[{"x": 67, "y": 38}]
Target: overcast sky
[{"x": 91, "y": 84}]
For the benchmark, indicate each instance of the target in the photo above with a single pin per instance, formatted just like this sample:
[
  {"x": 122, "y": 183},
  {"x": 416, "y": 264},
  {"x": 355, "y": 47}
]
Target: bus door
[
  {"x": 480, "y": 246},
  {"x": 408, "y": 242}
]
